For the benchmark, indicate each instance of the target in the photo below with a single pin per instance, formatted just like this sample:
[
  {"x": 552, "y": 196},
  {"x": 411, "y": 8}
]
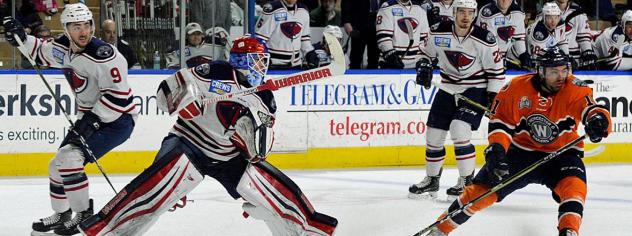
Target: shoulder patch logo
[
  {"x": 442, "y": 42},
  {"x": 267, "y": 7},
  {"x": 105, "y": 51},
  {"x": 396, "y": 11},
  {"x": 218, "y": 87},
  {"x": 486, "y": 12},
  {"x": 59, "y": 55},
  {"x": 203, "y": 69},
  {"x": 490, "y": 37},
  {"x": 280, "y": 16},
  {"x": 538, "y": 35},
  {"x": 525, "y": 102}
]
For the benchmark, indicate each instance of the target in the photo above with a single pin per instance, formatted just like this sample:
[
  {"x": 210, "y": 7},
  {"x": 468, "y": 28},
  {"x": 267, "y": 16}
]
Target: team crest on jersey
[
  {"x": 490, "y": 37},
  {"x": 219, "y": 87},
  {"x": 500, "y": 21},
  {"x": 524, "y": 103},
  {"x": 105, "y": 51},
  {"x": 280, "y": 16},
  {"x": 402, "y": 24},
  {"x": 59, "y": 55},
  {"x": 460, "y": 60},
  {"x": 397, "y": 11},
  {"x": 76, "y": 82},
  {"x": 541, "y": 129},
  {"x": 291, "y": 29},
  {"x": 442, "y": 42},
  {"x": 506, "y": 32},
  {"x": 568, "y": 27},
  {"x": 487, "y": 12},
  {"x": 538, "y": 35}
]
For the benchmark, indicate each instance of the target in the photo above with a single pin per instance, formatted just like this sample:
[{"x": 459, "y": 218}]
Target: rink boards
[{"x": 362, "y": 119}]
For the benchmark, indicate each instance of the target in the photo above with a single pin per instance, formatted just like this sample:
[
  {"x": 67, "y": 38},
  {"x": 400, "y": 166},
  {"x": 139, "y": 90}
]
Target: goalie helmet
[{"x": 250, "y": 56}]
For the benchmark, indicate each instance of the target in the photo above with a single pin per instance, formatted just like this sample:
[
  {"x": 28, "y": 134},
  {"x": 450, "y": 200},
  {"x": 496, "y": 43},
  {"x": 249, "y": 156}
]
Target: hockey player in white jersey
[
  {"x": 578, "y": 34},
  {"x": 227, "y": 140},
  {"x": 614, "y": 45},
  {"x": 284, "y": 26},
  {"x": 199, "y": 48},
  {"x": 505, "y": 20},
  {"x": 401, "y": 28},
  {"x": 438, "y": 10},
  {"x": 547, "y": 32},
  {"x": 97, "y": 74},
  {"x": 471, "y": 64}
]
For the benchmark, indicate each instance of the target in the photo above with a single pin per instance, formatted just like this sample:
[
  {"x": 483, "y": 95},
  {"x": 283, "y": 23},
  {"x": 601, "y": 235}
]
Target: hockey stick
[
  {"x": 411, "y": 39},
  {"x": 337, "y": 67},
  {"x": 459, "y": 96},
  {"x": 24, "y": 52},
  {"x": 504, "y": 183}
]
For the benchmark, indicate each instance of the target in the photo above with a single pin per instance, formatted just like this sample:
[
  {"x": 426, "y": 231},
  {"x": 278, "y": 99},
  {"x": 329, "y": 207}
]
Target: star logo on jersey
[
  {"x": 541, "y": 129},
  {"x": 402, "y": 24},
  {"x": 506, "y": 32},
  {"x": 77, "y": 83},
  {"x": 460, "y": 60},
  {"x": 291, "y": 29}
]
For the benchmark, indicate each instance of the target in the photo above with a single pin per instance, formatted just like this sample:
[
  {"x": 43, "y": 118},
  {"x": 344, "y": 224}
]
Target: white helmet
[
  {"x": 551, "y": 9},
  {"x": 333, "y": 30},
  {"x": 465, "y": 4},
  {"x": 77, "y": 12},
  {"x": 626, "y": 17}
]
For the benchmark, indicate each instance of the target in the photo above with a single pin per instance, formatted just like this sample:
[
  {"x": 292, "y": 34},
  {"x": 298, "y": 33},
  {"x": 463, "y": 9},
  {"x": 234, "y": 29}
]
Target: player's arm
[
  {"x": 35, "y": 47},
  {"x": 584, "y": 35},
  {"x": 492, "y": 63},
  {"x": 519, "y": 45},
  {"x": 306, "y": 39},
  {"x": 384, "y": 30},
  {"x": 265, "y": 25},
  {"x": 424, "y": 30},
  {"x": 563, "y": 41},
  {"x": 595, "y": 117},
  {"x": 116, "y": 94}
]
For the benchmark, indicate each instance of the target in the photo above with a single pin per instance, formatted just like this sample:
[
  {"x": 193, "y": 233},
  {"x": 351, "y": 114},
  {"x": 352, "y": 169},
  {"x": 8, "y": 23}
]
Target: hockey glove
[
  {"x": 597, "y": 127},
  {"x": 424, "y": 72},
  {"x": 86, "y": 126},
  {"x": 392, "y": 60},
  {"x": 13, "y": 27},
  {"x": 525, "y": 60},
  {"x": 496, "y": 162},
  {"x": 312, "y": 59},
  {"x": 589, "y": 59},
  {"x": 434, "y": 15}
]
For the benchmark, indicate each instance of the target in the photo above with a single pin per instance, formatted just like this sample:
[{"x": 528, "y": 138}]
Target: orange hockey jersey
[{"x": 524, "y": 117}]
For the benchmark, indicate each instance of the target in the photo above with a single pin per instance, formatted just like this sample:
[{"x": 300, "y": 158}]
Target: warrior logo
[
  {"x": 291, "y": 29},
  {"x": 77, "y": 83},
  {"x": 506, "y": 32},
  {"x": 541, "y": 129},
  {"x": 460, "y": 60},
  {"x": 402, "y": 24}
]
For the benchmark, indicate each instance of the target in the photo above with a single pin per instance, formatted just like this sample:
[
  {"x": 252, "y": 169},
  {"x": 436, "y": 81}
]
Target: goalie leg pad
[
  {"x": 135, "y": 208},
  {"x": 281, "y": 203}
]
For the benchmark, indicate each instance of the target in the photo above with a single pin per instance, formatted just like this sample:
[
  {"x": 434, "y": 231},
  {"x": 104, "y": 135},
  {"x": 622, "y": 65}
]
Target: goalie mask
[{"x": 250, "y": 57}]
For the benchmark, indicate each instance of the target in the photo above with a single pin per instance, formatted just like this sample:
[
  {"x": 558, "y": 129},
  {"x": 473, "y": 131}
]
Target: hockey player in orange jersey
[{"x": 532, "y": 116}]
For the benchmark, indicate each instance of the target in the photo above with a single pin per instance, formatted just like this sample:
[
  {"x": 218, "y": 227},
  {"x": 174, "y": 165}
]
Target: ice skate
[{"x": 426, "y": 189}]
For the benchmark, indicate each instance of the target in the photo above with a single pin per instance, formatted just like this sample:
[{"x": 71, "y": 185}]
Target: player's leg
[
  {"x": 71, "y": 159},
  {"x": 274, "y": 198},
  {"x": 569, "y": 190},
  {"x": 137, "y": 206},
  {"x": 439, "y": 119},
  {"x": 58, "y": 201}
]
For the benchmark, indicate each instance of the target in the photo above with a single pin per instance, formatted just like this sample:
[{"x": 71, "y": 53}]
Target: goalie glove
[{"x": 254, "y": 134}]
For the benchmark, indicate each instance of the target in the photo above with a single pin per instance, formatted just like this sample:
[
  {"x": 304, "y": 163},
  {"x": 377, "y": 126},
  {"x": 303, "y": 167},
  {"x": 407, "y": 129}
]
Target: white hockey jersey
[
  {"x": 466, "y": 62},
  {"x": 615, "y": 46},
  {"x": 196, "y": 55},
  {"x": 445, "y": 11},
  {"x": 539, "y": 38},
  {"x": 392, "y": 32},
  {"x": 97, "y": 75},
  {"x": 509, "y": 29},
  {"x": 577, "y": 30},
  {"x": 286, "y": 33},
  {"x": 211, "y": 131}
]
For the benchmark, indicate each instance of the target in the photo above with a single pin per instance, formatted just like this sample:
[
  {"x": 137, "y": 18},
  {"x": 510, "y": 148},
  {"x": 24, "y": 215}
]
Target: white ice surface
[{"x": 365, "y": 202}]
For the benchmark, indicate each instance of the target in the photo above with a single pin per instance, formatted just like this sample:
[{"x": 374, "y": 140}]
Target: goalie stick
[
  {"x": 337, "y": 67},
  {"x": 24, "y": 52}
]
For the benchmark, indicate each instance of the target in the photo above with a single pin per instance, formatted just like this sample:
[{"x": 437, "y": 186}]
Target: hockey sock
[{"x": 572, "y": 193}]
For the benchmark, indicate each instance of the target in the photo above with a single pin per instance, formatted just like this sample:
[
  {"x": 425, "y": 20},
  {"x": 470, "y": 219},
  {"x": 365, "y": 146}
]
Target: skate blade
[{"x": 423, "y": 196}]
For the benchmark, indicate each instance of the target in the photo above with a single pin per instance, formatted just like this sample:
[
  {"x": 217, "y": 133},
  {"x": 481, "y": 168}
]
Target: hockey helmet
[
  {"x": 626, "y": 17},
  {"x": 249, "y": 55},
  {"x": 551, "y": 9},
  {"x": 465, "y": 4},
  {"x": 77, "y": 12},
  {"x": 552, "y": 57}
]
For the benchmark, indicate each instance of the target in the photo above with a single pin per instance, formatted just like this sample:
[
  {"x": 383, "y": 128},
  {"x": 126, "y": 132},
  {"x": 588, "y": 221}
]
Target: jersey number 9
[{"x": 116, "y": 75}]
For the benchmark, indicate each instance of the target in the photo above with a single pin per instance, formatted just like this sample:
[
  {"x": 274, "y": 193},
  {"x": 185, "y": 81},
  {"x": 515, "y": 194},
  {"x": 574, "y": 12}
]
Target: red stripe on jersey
[
  {"x": 76, "y": 188},
  {"x": 35, "y": 47},
  {"x": 57, "y": 197},
  {"x": 116, "y": 109},
  {"x": 71, "y": 170},
  {"x": 116, "y": 91}
]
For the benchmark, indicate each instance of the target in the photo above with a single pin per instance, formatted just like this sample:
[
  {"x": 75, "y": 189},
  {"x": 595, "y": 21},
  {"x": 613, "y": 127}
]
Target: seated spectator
[
  {"x": 325, "y": 14},
  {"x": 197, "y": 50},
  {"x": 27, "y": 15},
  {"x": 322, "y": 50},
  {"x": 108, "y": 34}
]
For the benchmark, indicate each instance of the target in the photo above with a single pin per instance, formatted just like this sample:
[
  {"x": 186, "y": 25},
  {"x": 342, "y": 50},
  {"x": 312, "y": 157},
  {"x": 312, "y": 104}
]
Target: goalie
[{"x": 228, "y": 141}]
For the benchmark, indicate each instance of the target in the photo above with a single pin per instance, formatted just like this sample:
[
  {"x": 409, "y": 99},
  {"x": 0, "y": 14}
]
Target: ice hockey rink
[{"x": 365, "y": 202}]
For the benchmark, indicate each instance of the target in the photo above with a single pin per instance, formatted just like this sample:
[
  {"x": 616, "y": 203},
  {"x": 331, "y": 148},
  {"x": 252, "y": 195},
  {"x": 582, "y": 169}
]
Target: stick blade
[{"x": 338, "y": 61}]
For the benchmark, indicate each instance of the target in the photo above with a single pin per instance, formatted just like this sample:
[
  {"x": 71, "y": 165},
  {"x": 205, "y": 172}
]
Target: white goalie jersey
[
  {"x": 509, "y": 29},
  {"x": 470, "y": 62},
  {"x": 613, "y": 45},
  {"x": 97, "y": 75},
  {"x": 576, "y": 28},
  {"x": 286, "y": 33},
  {"x": 539, "y": 38},
  {"x": 393, "y": 23},
  {"x": 211, "y": 127}
]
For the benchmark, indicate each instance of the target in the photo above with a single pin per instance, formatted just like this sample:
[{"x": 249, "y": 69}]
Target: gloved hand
[
  {"x": 589, "y": 59},
  {"x": 596, "y": 127},
  {"x": 497, "y": 162},
  {"x": 86, "y": 126},
  {"x": 434, "y": 15},
  {"x": 13, "y": 27},
  {"x": 525, "y": 60},
  {"x": 424, "y": 72},
  {"x": 392, "y": 60},
  {"x": 312, "y": 59}
]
